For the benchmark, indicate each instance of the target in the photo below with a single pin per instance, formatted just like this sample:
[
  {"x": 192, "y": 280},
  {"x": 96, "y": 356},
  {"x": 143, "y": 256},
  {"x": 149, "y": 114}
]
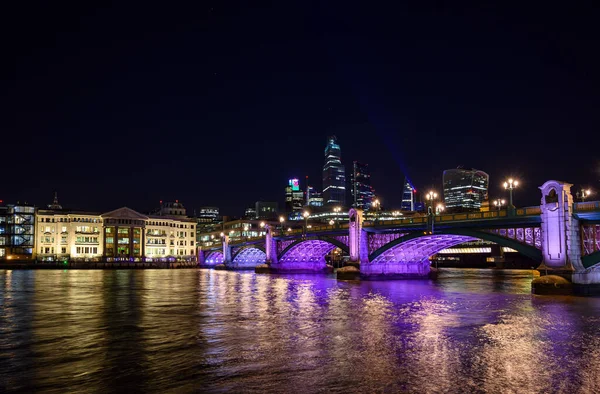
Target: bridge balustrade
[{"x": 586, "y": 206}]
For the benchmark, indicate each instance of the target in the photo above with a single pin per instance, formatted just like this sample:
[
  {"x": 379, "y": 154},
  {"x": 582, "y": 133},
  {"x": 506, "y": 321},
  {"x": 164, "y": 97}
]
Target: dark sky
[{"x": 219, "y": 104}]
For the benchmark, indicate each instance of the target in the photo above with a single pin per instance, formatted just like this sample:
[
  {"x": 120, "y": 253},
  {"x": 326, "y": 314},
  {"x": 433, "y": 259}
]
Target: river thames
[{"x": 187, "y": 330}]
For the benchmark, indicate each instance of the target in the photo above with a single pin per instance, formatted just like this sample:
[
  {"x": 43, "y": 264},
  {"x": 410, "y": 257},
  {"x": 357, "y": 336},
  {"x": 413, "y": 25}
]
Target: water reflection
[{"x": 215, "y": 331}]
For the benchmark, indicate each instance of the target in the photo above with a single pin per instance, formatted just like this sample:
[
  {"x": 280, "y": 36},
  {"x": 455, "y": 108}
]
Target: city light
[
  {"x": 331, "y": 222},
  {"x": 431, "y": 195},
  {"x": 510, "y": 185},
  {"x": 262, "y": 224},
  {"x": 499, "y": 203},
  {"x": 222, "y": 234},
  {"x": 583, "y": 194},
  {"x": 281, "y": 219}
]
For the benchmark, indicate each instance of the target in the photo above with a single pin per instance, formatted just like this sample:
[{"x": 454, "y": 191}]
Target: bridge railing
[
  {"x": 526, "y": 211},
  {"x": 586, "y": 206}
]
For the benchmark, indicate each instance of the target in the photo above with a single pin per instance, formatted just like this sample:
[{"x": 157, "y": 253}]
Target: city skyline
[{"x": 108, "y": 109}]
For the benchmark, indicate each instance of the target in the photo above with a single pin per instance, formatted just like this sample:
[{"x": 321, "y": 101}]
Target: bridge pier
[
  {"x": 562, "y": 271},
  {"x": 357, "y": 240}
]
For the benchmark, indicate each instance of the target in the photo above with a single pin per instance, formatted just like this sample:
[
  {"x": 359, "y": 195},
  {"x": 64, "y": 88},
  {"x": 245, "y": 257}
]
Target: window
[{"x": 63, "y": 250}]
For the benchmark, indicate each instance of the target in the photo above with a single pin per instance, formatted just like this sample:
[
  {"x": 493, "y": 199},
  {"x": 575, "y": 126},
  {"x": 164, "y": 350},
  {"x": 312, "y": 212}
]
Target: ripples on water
[{"x": 180, "y": 331}]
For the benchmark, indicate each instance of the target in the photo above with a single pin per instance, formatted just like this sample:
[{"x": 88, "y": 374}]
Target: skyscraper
[
  {"x": 465, "y": 189},
  {"x": 408, "y": 196},
  {"x": 294, "y": 197},
  {"x": 362, "y": 191},
  {"x": 334, "y": 175}
]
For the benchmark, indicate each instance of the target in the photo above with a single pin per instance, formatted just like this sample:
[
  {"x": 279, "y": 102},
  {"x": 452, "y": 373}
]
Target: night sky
[{"x": 220, "y": 103}]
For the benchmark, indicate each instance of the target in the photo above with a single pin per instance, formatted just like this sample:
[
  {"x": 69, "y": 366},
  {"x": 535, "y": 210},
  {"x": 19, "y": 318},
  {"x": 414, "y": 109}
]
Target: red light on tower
[{"x": 414, "y": 190}]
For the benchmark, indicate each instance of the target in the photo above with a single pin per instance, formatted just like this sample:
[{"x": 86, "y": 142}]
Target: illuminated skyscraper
[
  {"x": 294, "y": 197},
  {"x": 362, "y": 191},
  {"x": 408, "y": 196},
  {"x": 334, "y": 175},
  {"x": 465, "y": 189}
]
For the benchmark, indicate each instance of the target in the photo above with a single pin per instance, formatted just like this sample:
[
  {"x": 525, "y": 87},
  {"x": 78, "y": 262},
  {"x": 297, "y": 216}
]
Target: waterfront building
[
  {"x": 119, "y": 235},
  {"x": 409, "y": 193},
  {"x": 334, "y": 175},
  {"x": 313, "y": 197},
  {"x": 266, "y": 210},
  {"x": 362, "y": 191},
  {"x": 17, "y": 231},
  {"x": 465, "y": 190},
  {"x": 294, "y": 197}
]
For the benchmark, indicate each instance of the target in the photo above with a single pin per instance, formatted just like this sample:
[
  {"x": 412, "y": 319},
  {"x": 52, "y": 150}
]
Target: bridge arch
[
  {"x": 213, "y": 257},
  {"x": 417, "y": 247},
  {"x": 249, "y": 256},
  {"x": 309, "y": 253}
]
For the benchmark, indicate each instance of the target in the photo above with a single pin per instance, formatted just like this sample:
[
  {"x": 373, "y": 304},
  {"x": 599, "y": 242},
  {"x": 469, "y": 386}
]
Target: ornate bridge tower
[{"x": 561, "y": 248}]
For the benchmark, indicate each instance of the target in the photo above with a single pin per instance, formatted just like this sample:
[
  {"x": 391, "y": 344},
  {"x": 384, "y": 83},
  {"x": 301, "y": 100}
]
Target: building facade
[
  {"x": 465, "y": 190},
  {"x": 313, "y": 197},
  {"x": 409, "y": 194},
  {"x": 294, "y": 197},
  {"x": 362, "y": 191},
  {"x": 334, "y": 175},
  {"x": 266, "y": 210},
  {"x": 119, "y": 235},
  {"x": 17, "y": 232}
]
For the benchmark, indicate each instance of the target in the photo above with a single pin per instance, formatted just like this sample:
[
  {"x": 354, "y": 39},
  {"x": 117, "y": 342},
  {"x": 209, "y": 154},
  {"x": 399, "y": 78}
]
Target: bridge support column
[
  {"x": 201, "y": 257},
  {"x": 357, "y": 241},
  {"x": 226, "y": 254},
  {"x": 270, "y": 247},
  {"x": 561, "y": 248}
]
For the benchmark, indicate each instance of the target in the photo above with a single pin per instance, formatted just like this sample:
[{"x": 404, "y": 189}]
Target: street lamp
[
  {"x": 583, "y": 194},
  {"x": 281, "y": 221},
  {"x": 376, "y": 204},
  {"x": 439, "y": 208},
  {"x": 431, "y": 196},
  {"x": 306, "y": 214},
  {"x": 510, "y": 185},
  {"x": 331, "y": 222},
  {"x": 336, "y": 210},
  {"x": 499, "y": 203}
]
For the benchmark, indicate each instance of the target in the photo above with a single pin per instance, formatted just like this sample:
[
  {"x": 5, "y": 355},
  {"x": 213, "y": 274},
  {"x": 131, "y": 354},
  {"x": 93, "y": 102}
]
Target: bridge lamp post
[
  {"x": 439, "y": 209},
  {"x": 305, "y": 214},
  {"x": 281, "y": 221},
  {"x": 583, "y": 194},
  {"x": 510, "y": 185},
  {"x": 499, "y": 203},
  {"x": 431, "y": 197},
  {"x": 377, "y": 205},
  {"x": 337, "y": 210}
]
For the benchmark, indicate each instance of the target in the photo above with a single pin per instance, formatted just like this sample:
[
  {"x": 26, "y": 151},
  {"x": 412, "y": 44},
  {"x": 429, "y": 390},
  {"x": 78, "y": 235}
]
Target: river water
[{"x": 186, "y": 330}]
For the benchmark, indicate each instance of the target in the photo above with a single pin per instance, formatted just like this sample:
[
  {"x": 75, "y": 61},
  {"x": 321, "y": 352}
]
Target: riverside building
[{"x": 119, "y": 235}]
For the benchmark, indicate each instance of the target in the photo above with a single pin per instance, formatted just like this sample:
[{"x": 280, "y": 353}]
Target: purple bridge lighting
[{"x": 562, "y": 236}]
